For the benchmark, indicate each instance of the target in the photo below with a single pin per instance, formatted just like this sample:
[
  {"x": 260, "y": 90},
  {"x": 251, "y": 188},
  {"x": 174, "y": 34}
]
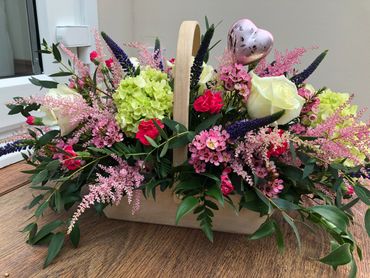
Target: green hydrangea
[
  {"x": 145, "y": 96},
  {"x": 329, "y": 102}
]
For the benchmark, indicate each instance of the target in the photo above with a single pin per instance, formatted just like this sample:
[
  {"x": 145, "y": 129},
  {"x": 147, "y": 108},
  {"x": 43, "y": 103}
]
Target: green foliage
[
  {"x": 54, "y": 248},
  {"x": 339, "y": 256},
  {"x": 187, "y": 205}
]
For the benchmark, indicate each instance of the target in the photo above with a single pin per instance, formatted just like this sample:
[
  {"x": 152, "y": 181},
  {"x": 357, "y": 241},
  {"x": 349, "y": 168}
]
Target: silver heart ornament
[{"x": 248, "y": 43}]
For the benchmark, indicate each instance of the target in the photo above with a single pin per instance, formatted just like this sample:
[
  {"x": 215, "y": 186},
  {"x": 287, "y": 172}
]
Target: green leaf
[
  {"x": 47, "y": 229},
  {"x": 332, "y": 214},
  {"x": 207, "y": 230},
  {"x": 54, "y": 248},
  {"x": 339, "y": 256},
  {"x": 60, "y": 74},
  {"x": 211, "y": 204},
  {"x": 292, "y": 151},
  {"x": 43, "y": 83},
  {"x": 266, "y": 229},
  {"x": 40, "y": 177},
  {"x": 284, "y": 204},
  {"x": 174, "y": 126},
  {"x": 59, "y": 204},
  {"x": 56, "y": 53},
  {"x": 363, "y": 193},
  {"x": 211, "y": 121},
  {"x": 35, "y": 201},
  {"x": 160, "y": 130},
  {"x": 41, "y": 209},
  {"x": 15, "y": 110},
  {"x": 53, "y": 165},
  {"x": 308, "y": 169},
  {"x": 353, "y": 271},
  {"x": 215, "y": 192},
  {"x": 75, "y": 235},
  {"x": 263, "y": 198},
  {"x": 279, "y": 237},
  {"x": 164, "y": 150},
  {"x": 180, "y": 141},
  {"x": 290, "y": 221},
  {"x": 47, "y": 137},
  {"x": 151, "y": 141},
  {"x": 367, "y": 221},
  {"x": 186, "y": 206}
]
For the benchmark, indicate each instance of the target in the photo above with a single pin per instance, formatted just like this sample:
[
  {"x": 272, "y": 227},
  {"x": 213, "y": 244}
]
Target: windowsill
[{"x": 21, "y": 80}]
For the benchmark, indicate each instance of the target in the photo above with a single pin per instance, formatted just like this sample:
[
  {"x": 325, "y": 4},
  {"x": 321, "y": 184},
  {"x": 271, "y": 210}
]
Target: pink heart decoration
[{"x": 248, "y": 43}]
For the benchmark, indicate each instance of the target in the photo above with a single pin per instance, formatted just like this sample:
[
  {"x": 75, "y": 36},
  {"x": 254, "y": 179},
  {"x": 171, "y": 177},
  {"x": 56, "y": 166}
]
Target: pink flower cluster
[
  {"x": 121, "y": 180},
  {"x": 105, "y": 130},
  {"x": 236, "y": 78},
  {"x": 272, "y": 188},
  {"x": 209, "y": 147}
]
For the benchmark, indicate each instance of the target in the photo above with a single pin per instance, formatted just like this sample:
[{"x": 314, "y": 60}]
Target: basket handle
[{"x": 187, "y": 46}]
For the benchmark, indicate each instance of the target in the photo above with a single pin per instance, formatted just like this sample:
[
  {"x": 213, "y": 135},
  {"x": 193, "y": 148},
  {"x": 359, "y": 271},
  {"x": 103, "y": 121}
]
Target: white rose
[
  {"x": 207, "y": 74},
  {"x": 54, "y": 117},
  {"x": 273, "y": 94}
]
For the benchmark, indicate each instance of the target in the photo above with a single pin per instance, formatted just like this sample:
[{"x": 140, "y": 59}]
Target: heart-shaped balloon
[{"x": 248, "y": 43}]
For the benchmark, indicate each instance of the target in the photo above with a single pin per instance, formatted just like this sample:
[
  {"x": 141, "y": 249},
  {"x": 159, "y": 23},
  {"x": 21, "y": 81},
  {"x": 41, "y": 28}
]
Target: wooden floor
[{"x": 110, "y": 248}]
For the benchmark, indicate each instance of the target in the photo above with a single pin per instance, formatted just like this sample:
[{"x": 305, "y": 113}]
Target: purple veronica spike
[
  {"x": 121, "y": 56},
  {"x": 12, "y": 147},
  {"x": 240, "y": 128}
]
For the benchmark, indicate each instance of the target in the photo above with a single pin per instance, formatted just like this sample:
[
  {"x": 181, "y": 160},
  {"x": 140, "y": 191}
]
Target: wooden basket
[{"x": 163, "y": 210}]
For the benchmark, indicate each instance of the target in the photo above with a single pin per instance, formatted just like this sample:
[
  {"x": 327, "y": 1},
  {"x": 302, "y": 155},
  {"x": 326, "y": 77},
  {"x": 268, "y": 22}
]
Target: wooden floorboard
[
  {"x": 111, "y": 248},
  {"x": 11, "y": 177}
]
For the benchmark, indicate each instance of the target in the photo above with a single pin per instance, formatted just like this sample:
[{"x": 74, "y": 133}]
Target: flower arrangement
[{"x": 257, "y": 130}]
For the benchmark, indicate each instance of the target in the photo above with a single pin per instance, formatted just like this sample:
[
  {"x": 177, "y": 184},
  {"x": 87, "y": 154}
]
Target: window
[{"x": 19, "y": 40}]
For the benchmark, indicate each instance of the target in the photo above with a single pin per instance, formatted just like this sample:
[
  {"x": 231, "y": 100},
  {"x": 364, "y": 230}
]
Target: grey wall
[{"x": 341, "y": 26}]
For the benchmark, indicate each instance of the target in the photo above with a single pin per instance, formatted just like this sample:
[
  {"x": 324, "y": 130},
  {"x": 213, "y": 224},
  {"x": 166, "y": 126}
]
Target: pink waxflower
[
  {"x": 226, "y": 185},
  {"x": 235, "y": 77},
  {"x": 210, "y": 102},
  {"x": 209, "y": 147},
  {"x": 273, "y": 188},
  {"x": 94, "y": 56},
  {"x": 109, "y": 63}
]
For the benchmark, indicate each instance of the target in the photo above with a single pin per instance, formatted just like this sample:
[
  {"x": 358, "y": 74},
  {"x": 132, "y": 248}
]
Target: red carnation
[
  {"x": 147, "y": 128},
  {"x": 68, "y": 159},
  {"x": 209, "y": 102},
  {"x": 109, "y": 63},
  {"x": 30, "y": 120},
  {"x": 93, "y": 56}
]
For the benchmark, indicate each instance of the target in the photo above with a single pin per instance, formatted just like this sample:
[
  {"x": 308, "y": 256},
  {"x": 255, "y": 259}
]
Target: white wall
[{"x": 339, "y": 25}]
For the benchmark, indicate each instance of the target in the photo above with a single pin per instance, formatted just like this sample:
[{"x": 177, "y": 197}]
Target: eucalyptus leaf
[
  {"x": 363, "y": 193},
  {"x": 291, "y": 223},
  {"x": 332, "y": 214},
  {"x": 209, "y": 122},
  {"x": 367, "y": 221},
  {"x": 45, "y": 230},
  {"x": 214, "y": 191},
  {"x": 54, "y": 248},
  {"x": 339, "y": 256},
  {"x": 266, "y": 229},
  {"x": 75, "y": 235}
]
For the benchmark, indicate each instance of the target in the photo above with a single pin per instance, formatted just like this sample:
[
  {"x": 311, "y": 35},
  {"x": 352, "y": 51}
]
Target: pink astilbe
[
  {"x": 146, "y": 57},
  {"x": 283, "y": 63},
  {"x": 76, "y": 108},
  {"x": 100, "y": 57},
  {"x": 209, "y": 147},
  {"x": 81, "y": 68},
  {"x": 101, "y": 125},
  {"x": 338, "y": 136},
  {"x": 227, "y": 59},
  {"x": 121, "y": 180},
  {"x": 253, "y": 155}
]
